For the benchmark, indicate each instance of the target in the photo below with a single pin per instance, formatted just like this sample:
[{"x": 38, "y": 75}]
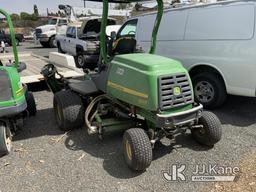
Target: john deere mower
[
  {"x": 148, "y": 96},
  {"x": 16, "y": 102}
]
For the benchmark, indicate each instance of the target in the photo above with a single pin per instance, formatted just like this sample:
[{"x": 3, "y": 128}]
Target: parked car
[
  {"x": 82, "y": 41},
  {"x": 6, "y": 38},
  {"x": 45, "y": 34},
  {"x": 215, "y": 42}
]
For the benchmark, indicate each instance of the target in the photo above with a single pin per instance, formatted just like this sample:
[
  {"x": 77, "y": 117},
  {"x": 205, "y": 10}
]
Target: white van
[{"x": 215, "y": 42}]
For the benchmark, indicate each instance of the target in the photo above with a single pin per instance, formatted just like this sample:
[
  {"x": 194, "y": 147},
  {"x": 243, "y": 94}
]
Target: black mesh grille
[
  {"x": 5, "y": 86},
  {"x": 38, "y": 32},
  {"x": 167, "y": 96}
]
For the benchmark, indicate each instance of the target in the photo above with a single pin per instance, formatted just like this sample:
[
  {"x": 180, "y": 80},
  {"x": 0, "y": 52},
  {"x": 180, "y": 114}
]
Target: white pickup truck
[
  {"x": 45, "y": 34},
  {"x": 81, "y": 40}
]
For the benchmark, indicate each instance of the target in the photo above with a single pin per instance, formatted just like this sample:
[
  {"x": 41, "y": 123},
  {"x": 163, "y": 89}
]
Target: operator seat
[{"x": 124, "y": 45}]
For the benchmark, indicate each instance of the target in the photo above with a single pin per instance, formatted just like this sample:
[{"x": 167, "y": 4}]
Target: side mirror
[
  {"x": 62, "y": 7},
  {"x": 21, "y": 67},
  {"x": 113, "y": 34}
]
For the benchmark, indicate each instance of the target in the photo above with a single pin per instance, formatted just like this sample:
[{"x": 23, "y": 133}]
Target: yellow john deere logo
[{"x": 176, "y": 91}]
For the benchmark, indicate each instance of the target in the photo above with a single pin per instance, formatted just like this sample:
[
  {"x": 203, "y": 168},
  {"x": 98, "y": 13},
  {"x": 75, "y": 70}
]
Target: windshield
[{"x": 52, "y": 21}]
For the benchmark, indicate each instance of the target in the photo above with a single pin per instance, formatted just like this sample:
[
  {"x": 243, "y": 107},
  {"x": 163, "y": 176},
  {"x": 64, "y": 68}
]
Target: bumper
[
  {"x": 179, "y": 118},
  {"x": 13, "y": 110},
  {"x": 43, "y": 39}
]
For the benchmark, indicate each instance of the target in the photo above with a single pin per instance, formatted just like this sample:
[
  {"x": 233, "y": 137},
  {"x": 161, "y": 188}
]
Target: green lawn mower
[
  {"x": 148, "y": 96},
  {"x": 15, "y": 101}
]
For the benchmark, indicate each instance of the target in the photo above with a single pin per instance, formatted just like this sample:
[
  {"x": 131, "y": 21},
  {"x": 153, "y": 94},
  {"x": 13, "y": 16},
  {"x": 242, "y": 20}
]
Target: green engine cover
[
  {"x": 133, "y": 78},
  {"x": 11, "y": 89}
]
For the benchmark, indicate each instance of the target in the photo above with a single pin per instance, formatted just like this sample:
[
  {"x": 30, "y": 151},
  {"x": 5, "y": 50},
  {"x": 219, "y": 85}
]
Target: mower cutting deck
[
  {"x": 148, "y": 96},
  {"x": 15, "y": 101}
]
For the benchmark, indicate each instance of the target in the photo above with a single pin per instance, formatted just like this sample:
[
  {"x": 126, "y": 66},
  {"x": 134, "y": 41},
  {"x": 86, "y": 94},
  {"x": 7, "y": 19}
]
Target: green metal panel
[
  {"x": 18, "y": 96},
  {"x": 134, "y": 78}
]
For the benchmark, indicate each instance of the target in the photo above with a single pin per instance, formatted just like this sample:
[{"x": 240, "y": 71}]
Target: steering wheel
[
  {"x": 131, "y": 33},
  {"x": 49, "y": 70}
]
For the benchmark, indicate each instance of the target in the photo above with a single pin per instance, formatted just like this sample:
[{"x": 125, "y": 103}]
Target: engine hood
[{"x": 46, "y": 28}]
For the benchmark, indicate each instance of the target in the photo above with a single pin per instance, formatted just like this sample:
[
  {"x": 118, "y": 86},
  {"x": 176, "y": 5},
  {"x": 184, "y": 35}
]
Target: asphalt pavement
[{"x": 47, "y": 159}]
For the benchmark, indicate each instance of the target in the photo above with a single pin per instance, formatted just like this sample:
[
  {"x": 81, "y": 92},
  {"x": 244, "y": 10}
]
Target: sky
[{"x": 17, "y": 6}]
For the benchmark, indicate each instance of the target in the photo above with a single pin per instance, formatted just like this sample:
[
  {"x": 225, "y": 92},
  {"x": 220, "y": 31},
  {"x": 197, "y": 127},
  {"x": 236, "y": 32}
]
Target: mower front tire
[
  {"x": 211, "y": 132},
  {"x": 69, "y": 110},
  {"x": 5, "y": 139},
  {"x": 31, "y": 104},
  {"x": 137, "y": 149}
]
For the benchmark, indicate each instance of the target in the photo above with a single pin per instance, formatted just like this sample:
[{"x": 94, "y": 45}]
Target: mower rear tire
[
  {"x": 69, "y": 110},
  {"x": 31, "y": 104},
  {"x": 137, "y": 149},
  {"x": 211, "y": 132},
  {"x": 5, "y": 139}
]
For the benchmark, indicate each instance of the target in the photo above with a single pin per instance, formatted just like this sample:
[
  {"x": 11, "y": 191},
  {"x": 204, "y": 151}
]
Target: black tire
[
  {"x": 211, "y": 132},
  {"x": 45, "y": 44},
  {"x": 69, "y": 110},
  {"x": 5, "y": 139},
  {"x": 80, "y": 60},
  {"x": 52, "y": 42},
  {"x": 213, "y": 86},
  {"x": 31, "y": 104},
  {"x": 137, "y": 149},
  {"x": 59, "y": 48}
]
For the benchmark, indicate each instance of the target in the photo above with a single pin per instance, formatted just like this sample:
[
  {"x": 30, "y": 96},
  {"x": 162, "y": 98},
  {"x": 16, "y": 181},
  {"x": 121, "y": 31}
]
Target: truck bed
[{"x": 34, "y": 65}]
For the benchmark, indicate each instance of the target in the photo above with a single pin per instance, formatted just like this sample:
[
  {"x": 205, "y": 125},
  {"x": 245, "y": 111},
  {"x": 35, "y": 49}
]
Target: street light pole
[{"x": 84, "y": 3}]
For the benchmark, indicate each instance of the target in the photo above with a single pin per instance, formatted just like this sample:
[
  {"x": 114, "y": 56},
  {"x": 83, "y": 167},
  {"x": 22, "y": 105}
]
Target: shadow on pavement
[
  {"x": 40, "y": 125},
  {"x": 238, "y": 111},
  {"x": 110, "y": 150}
]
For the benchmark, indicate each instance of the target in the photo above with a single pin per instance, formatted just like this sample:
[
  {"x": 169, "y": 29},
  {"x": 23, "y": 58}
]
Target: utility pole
[{"x": 84, "y": 3}]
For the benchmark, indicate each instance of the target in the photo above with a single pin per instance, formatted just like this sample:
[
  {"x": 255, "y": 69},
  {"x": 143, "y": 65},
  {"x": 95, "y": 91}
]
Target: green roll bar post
[
  {"x": 11, "y": 30},
  {"x": 103, "y": 46}
]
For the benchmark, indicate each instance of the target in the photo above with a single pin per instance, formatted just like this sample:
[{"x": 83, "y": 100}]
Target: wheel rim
[
  {"x": 204, "y": 91},
  {"x": 8, "y": 139},
  {"x": 80, "y": 60},
  {"x": 128, "y": 150}
]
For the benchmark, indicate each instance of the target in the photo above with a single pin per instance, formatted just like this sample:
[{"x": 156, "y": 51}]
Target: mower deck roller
[{"x": 149, "y": 96}]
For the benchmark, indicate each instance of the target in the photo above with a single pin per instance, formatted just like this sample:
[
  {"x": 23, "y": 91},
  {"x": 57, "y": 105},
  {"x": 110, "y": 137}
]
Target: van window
[
  {"x": 220, "y": 23},
  {"x": 129, "y": 28}
]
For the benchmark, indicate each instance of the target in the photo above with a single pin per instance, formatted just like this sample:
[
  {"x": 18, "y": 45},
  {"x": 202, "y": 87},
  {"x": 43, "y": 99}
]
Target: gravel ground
[{"x": 46, "y": 159}]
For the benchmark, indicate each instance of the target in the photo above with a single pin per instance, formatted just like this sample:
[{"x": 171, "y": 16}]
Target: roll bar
[
  {"x": 103, "y": 46},
  {"x": 13, "y": 40}
]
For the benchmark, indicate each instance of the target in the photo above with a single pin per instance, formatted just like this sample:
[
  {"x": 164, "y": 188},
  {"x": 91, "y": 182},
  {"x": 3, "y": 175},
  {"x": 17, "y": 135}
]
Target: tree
[
  {"x": 36, "y": 11},
  {"x": 15, "y": 17},
  {"x": 25, "y": 16}
]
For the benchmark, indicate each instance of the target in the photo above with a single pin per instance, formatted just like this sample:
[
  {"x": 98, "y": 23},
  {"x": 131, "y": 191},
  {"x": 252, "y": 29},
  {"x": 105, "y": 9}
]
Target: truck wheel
[
  {"x": 59, "y": 48},
  {"x": 209, "y": 90},
  {"x": 211, "y": 131},
  {"x": 80, "y": 61},
  {"x": 44, "y": 44},
  {"x": 69, "y": 110},
  {"x": 31, "y": 104},
  {"x": 52, "y": 42},
  {"x": 5, "y": 139},
  {"x": 137, "y": 149}
]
